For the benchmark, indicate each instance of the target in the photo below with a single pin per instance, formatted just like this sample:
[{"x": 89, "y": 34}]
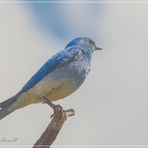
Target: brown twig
[{"x": 51, "y": 132}]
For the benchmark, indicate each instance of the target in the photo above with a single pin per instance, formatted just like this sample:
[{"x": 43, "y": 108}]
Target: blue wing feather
[{"x": 56, "y": 61}]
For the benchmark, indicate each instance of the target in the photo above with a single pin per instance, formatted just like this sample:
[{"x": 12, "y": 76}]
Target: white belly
[{"x": 54, "y": 90}]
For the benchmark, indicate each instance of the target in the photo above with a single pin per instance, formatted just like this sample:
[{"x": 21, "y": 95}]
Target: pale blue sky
[{"x": 65, "y": 21}]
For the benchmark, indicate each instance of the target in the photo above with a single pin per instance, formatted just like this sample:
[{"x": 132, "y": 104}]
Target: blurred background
[{"x": 112, "y": 105}]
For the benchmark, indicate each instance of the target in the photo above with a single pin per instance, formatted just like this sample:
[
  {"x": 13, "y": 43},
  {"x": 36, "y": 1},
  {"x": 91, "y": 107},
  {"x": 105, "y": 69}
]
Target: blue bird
[{"x": 59, "y": 77}]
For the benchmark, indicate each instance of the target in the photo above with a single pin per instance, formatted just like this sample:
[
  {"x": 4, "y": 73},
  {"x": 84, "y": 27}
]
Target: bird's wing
[{"x": 58, "y": 60}]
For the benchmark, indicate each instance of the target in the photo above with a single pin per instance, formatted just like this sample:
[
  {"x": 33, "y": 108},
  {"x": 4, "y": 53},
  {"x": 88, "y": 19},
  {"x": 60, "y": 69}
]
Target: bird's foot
[{"x": 58, "y": 109}]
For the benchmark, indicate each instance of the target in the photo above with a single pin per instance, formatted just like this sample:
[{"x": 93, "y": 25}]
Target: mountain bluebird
[{"x": 59, "y": 77}]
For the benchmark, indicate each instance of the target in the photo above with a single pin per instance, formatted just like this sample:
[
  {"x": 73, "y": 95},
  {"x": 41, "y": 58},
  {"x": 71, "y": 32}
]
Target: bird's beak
[{"x": 98, "y": 48}]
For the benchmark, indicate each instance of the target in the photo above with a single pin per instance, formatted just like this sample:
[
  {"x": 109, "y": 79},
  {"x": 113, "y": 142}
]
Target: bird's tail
[{"x": 5, "y": 105}]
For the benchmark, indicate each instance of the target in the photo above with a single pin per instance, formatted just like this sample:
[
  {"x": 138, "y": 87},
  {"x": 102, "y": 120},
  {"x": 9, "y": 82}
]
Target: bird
[{"x": 58, "y": 78}]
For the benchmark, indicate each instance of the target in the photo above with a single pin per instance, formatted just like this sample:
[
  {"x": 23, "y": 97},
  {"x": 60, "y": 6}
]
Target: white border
[
  {"x": 78, "y": 2},
  {"x": 93, "y": 146}
]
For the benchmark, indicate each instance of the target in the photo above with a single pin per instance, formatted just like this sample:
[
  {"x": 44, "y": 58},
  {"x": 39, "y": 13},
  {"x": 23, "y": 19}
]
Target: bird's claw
[{"x": 58, "y": 110}]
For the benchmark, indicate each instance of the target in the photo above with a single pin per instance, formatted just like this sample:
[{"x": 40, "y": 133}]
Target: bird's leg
[
  {"x": 58, "y": 110},
  {"x": 49, "y": 102}
]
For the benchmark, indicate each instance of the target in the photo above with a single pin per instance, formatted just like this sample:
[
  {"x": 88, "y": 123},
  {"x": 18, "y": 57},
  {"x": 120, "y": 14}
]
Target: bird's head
[{"x": 85, "y": 43}]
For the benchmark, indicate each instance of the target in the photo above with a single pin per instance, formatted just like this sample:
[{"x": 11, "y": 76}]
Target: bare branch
[{"x": 51, "y": 132}]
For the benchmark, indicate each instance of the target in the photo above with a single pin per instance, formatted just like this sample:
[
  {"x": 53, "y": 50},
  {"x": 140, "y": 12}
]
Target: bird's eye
[{"x": 91, "y": 42}]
